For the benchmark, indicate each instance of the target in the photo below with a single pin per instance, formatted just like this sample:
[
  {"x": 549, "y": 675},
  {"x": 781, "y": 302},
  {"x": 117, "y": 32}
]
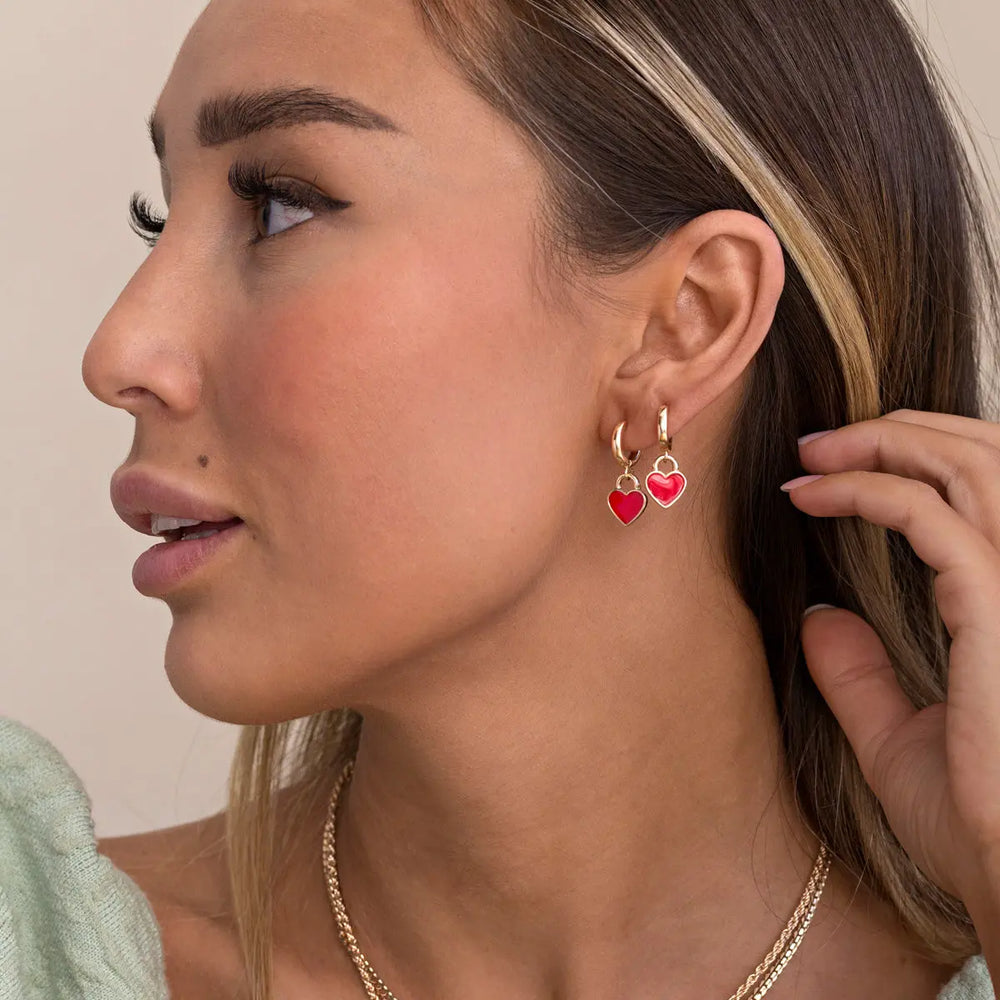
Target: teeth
[
  {"x": 201, "y": 534},
  {"x": 161, "y": 524}
]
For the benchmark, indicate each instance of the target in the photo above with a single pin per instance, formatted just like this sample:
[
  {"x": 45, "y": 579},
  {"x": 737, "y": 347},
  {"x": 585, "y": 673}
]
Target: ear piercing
[{"x": 664, "y": 487}]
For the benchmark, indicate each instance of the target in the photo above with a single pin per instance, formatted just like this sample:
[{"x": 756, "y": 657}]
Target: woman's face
[{"x": 385, "y": 394}]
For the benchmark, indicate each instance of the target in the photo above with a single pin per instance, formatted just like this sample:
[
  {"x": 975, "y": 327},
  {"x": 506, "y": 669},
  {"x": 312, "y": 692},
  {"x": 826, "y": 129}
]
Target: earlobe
[{"x": 710, "y": 291}]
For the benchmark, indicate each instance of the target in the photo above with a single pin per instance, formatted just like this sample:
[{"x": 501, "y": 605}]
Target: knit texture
[
  {"x": 75, "y": 927},
  {"x": 972, "y": 983}
]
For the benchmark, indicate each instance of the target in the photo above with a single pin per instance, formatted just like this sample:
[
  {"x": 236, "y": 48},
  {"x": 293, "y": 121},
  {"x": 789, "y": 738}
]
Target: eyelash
[{"x": 249, "y": 181}]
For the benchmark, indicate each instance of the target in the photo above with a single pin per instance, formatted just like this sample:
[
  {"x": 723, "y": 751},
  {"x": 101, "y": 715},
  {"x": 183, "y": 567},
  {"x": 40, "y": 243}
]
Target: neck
[
  {"x": 585, "y": 796},
  {"x": 574, "y": 807},
  {"x": 600, "y": 819}
]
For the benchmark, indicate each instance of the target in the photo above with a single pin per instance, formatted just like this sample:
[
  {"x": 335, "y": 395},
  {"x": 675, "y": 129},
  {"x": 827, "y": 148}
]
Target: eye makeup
[{"x": 254, "y": 182}]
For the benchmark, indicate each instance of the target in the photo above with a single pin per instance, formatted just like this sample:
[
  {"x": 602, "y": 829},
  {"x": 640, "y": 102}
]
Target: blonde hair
[{"x": 832, "y": 124}]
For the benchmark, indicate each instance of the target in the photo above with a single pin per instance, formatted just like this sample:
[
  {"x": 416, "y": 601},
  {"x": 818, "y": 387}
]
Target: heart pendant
[
  {"x": 666, "y": 489},
  {"x": 627, "y": 506}
]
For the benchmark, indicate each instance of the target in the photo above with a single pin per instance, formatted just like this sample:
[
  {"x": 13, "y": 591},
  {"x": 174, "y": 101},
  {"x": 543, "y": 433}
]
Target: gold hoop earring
[
  {"x": 626, "y": 505},
  {"x": 665, "y": 487}
]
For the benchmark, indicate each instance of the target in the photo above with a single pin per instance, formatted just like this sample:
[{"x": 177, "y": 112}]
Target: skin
[{"x": 570, "y": 765}]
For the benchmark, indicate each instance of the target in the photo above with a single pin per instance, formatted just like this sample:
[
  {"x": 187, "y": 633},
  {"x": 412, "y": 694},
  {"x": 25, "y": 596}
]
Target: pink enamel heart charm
[
  {"x": 666, "y": 488},
  {"x": 627, "y": 506}
]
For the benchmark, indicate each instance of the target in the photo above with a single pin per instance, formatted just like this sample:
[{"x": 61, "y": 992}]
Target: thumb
[{"x": 851, "y": 668}]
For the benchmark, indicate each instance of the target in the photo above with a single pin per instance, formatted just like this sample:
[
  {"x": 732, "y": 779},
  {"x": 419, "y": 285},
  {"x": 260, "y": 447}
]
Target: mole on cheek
[{"x": 203, "y": 461}]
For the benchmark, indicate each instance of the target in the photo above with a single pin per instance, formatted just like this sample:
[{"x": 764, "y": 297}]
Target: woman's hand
[{"x": 936, "y": 479}]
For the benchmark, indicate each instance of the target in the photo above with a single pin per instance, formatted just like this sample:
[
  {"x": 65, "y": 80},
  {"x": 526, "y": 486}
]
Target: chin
[
  {"x": 226, "y": 687},
  {"x": 249, "y": 683}
]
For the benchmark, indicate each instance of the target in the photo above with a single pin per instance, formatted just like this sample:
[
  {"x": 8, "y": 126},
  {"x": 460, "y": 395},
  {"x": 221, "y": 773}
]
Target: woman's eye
[
  {"x": 274, "y": 205},
  {"x": 279, "y": 204},
  {"x": 275, "y": 216}
]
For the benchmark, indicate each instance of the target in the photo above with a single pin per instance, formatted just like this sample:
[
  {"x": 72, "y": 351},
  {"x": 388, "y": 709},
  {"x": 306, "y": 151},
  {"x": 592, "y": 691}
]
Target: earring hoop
[
  {"x": 665, "y": 487},
  {"x": 626, "y": 505},
  {"x": 661, "y": 419},
  {"x": 616, "y": 446}
]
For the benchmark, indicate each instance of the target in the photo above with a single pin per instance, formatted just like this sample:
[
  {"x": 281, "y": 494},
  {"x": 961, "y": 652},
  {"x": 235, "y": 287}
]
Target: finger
[
  {"x": 983, "y": 430},
  {"x": 852, "y": 670},
  {"x": 968, "y": 583},
  {"x": 963, "y": 467}
]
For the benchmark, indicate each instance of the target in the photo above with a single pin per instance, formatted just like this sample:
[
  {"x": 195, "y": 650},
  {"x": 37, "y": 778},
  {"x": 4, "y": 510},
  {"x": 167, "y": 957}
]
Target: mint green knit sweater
[{"x": 75, "y": 927}]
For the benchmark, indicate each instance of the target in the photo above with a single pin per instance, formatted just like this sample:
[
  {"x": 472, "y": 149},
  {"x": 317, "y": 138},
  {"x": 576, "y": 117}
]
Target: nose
[{"x": 140, "y": 357}]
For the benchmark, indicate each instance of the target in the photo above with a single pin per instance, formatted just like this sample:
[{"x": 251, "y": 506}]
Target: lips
[{"x": 137, "y": 494}]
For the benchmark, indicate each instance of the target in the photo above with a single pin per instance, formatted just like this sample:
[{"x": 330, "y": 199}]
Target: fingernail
[
  {"x": 806, "y": 438},
  {"x": 815, "y": 607},
  {"x": 794, "y": 484}
]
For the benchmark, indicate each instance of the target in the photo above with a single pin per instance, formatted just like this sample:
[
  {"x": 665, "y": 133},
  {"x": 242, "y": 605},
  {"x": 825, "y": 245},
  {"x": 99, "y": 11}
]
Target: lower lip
[{"x": 166, "y": 565}]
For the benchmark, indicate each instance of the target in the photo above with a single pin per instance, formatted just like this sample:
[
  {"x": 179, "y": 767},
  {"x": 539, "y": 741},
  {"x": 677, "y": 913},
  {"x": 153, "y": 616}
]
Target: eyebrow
[{"x": 230, "y": 117}]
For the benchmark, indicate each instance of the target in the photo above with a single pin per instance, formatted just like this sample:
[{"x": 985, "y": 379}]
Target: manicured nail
[
  {"x": 794, "y": 484},
  {"x": 806, "y": 438},
  {"x": 815, "y": 607}
]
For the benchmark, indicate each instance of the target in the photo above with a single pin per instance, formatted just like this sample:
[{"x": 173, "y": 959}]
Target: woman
[{"x": 434, "y": 275}]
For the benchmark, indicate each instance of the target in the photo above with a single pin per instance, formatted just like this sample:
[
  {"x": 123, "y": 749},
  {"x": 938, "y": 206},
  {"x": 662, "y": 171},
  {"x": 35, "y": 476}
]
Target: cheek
[{"x": 402, "y": 422}]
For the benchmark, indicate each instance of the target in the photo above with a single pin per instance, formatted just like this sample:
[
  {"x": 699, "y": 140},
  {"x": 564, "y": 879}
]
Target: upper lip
[{"x": 137, "y": 494}]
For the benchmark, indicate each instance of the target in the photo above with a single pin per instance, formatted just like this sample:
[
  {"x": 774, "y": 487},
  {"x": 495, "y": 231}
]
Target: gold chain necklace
[{"x": 760, "y": 980}]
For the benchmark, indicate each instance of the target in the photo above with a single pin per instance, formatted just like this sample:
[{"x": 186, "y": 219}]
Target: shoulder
[
  {"x": 67, "y": 916},
  {"x": 183, "y": 867},
  {"x": 182, "y": 872},
  {"x": 972, "y": 982}
]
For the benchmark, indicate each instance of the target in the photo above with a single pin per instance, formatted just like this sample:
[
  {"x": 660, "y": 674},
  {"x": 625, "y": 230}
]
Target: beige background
[{"x": 80, "y": 649}]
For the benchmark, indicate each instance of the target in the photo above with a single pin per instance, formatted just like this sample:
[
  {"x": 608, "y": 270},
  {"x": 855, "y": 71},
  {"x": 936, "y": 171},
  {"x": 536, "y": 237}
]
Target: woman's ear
[{"x": 707, "y": 297}]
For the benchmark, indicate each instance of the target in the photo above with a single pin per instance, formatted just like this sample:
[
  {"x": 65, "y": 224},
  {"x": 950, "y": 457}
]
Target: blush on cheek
[
  {"x": 458, "y": 382},
  {"x": 398, "y": 423}
]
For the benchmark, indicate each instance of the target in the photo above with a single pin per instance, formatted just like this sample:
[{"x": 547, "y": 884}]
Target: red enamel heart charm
[
  {"x": 627, "y": 506},
  {"x": 666, "y": 488}
]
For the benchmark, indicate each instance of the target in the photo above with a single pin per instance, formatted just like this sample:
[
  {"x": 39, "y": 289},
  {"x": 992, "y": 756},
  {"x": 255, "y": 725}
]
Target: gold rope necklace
[{"x": 760, "y": 980}]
